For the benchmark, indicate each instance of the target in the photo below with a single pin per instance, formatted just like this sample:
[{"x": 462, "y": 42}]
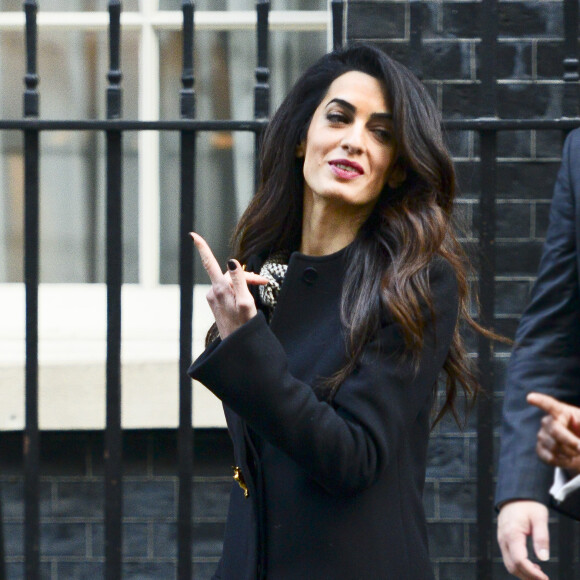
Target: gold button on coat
[{"x": 239, "y": 477}]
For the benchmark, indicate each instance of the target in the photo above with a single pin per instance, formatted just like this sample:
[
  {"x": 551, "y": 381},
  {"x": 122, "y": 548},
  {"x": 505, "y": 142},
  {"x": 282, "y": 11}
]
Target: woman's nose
[{"x": 353, "y": 140}]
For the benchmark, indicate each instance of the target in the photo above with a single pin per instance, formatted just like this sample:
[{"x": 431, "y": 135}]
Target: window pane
[
  {"x": 246, "y": 4},
  {"x": 68, "y": 5},
  {"x": 224, "y": 83},
  {"x": 72, "y": 68}
]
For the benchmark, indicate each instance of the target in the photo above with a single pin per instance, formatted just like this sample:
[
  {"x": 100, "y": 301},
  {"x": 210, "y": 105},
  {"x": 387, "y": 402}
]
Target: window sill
[{"x": 72, "y": 354}]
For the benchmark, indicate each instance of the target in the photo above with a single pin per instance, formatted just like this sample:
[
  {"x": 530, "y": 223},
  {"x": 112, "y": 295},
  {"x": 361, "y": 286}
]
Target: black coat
[
  {"x": 546, "y": 355},
  {"x": 335, "y": 490}
]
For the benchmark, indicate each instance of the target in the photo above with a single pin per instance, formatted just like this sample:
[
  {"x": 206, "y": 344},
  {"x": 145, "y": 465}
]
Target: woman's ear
[
  {"x": 301, "y": 149},
  {"x": 397, "y": 176}
]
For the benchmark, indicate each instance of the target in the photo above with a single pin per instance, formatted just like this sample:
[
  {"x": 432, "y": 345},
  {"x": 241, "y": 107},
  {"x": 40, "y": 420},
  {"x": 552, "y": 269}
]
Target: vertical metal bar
[
  {"x": 31, "y": 279},
  {"x": 186, "y": 280},
  {"x": 416, "y": 37},
  {"x": 2, "y": 552},
  {"x": 262, "y": 86},
  {"x": 567, "y": 529},
  {"x": 570, "y": 97},
  {"x": 337, "y": 7},
  {"x": 485, "y": 461},
  {"x": 114, "y": 278}
]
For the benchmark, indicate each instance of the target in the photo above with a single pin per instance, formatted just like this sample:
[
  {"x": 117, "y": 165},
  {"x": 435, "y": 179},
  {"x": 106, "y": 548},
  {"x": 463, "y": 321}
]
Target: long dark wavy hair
[{"x": 410, "y": 225}]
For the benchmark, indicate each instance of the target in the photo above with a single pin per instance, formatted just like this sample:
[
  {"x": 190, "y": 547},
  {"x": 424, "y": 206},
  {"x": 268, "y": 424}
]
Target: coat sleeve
[
  {"x": 344, "y": 446},
  {"x": 546, "y": 357}
]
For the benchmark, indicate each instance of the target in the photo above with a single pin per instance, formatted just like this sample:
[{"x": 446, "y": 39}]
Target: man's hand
[
  {"x": 517, "y": 520},
  {"x": 558, "y": 438}
]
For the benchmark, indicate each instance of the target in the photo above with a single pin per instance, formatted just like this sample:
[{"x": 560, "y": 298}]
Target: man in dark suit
[{"x": 546, "y": 359}]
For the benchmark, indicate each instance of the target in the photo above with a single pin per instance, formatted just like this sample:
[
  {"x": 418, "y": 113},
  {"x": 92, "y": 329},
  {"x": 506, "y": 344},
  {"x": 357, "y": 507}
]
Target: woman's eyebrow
[
  {"x": 352, "y": 108},
  {"x": 385, "y": 116},
  {"x": 343, "y": 103}
]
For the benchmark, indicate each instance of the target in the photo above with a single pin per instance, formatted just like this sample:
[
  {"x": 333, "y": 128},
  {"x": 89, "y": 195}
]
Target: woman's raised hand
[{"x": 229, "y": 298}]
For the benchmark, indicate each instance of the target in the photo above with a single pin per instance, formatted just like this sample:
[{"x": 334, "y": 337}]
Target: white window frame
[{"x": 72, "y": 347}]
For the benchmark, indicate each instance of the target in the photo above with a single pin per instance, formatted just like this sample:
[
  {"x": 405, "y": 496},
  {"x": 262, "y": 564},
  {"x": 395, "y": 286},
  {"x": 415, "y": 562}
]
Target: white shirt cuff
[{"x": 563, "y": 486}]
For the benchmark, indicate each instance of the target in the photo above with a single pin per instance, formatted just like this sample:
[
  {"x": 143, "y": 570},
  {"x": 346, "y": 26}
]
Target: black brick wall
[
  {"x": 72, "y": 503},
  {"x": 529, "y": 71}
]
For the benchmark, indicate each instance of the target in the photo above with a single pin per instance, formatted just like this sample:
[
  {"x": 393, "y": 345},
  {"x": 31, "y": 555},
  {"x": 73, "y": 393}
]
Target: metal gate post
[
  {"x": 262, "y": 86},
  {"x": 338, "y": 24},
  {"x": 186, "y": 281},
  {"x": 114, "y": 278},
  {"x": 31, "y": 280},
  {"x": 486, "y": 227},
  {"x": 568, "y": 529}
]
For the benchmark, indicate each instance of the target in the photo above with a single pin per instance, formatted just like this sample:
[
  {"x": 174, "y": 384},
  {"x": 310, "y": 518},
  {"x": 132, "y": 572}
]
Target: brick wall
[
  {"x": 72, "y": 503},
  {"x": 529, "y": 71}
]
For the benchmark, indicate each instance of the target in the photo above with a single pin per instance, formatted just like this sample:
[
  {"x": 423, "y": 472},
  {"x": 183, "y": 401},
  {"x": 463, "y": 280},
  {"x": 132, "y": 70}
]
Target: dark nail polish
[{"x": 231, "y": 265}]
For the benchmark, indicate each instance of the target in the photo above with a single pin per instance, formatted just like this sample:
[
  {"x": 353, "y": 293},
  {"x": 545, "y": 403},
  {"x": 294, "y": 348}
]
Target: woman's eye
[
  {"x": 336, "y": 118},
  {"x": 383, "y": 135}
]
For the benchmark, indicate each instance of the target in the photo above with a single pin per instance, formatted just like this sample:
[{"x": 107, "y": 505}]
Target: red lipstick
[{"x": 345, "y": 168}]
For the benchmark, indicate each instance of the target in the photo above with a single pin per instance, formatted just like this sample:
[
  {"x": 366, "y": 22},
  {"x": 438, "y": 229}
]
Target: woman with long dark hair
[{"x": 333, "y": 325}]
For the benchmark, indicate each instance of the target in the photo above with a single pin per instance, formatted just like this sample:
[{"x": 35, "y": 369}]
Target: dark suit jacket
[
  {"x": 335, "y": 490},
  {"x": 546, "y": 355}
]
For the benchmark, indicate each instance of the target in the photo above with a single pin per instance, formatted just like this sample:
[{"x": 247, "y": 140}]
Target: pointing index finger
[
  {"x": 208, "y": 260},
  {"x": 546, "y": 403}
]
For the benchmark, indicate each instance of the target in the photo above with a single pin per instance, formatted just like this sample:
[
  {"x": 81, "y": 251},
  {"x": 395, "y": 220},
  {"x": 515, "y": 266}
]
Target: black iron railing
[
  {"x": 487, "y": 125},
  {"x": 114, "y": 127},
  {"x": 114, "y": 279},
  {"x": 31, "y": 275}
]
